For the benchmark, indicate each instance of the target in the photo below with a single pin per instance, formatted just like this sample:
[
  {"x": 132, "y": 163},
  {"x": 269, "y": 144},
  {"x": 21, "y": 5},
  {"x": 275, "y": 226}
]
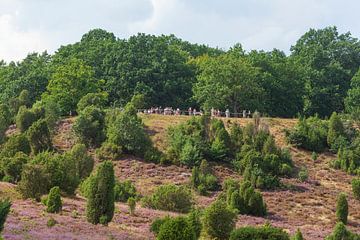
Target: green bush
[
  {"x": 175, "y": 229},
  {"x": 265, "y": 232},
  {"x": 191, "y": 154},
  {"x": 54, "y": 203},
  {"x": 124, "y": 190},
  {"x": 132, "y": 205},
  {"x": 34, "y": 181},
  {"x": 4, "y": 211},
  {"x": 336, "y": 130},
  {"x": 348, "y": 159},
  {"x": 309, "y": 134},
  {"x": 170, "y": 198},
  {"x": 89, "y": 126},
  {"x": 236, "y": 136},
  {"x": 194, "y": 221},
  {"x": 100, "y": 202},
  {"x": 341, "y": 233},
  {"x": 5, "y": 114},
  {"x": 15, "y": 144},
  {"x": 98, "y": 100},
  {"x": 202, "y": 179},
  {"x": 127, "y": 130},
  {"x": 3, "y": 128},
  {"x": 342, "y": 208},
  {"x": 303, "y": 175},
  {"x": 25, "y": 118},
  {"x": 12, "y": 166},
  {"x": 109, "y": 151},
  {"x": 51, "y": 222},
  {"x": 39, "y": 136},
  {"x": 218, "y": 220},
  {"x": 156, "y": 224},
  {"x": 298, "y": 235},
  {"x": 83, "y": 162},
  {"x": 24, "y": 98},
  {"x": 355, "y": 183}
]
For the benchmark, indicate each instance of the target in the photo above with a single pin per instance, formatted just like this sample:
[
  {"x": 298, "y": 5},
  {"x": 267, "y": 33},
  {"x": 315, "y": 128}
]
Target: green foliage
[
  {"x": 218, "y": 220},
  {"x": 25, "y": 118},
  {"x": 264, "y": 232},
  {"x": 4, "y": 210},
  {"x": 156, "y": 224},
  {"x": 109, "y": 151},
  {"x": 127, "y": 131},
  {"x": 355, "y": 183},
  {"x": 298, "y": 235},
  {"x": 352, "y": 102},
  {"x": 132, "y": 205},
  {"x": 54, "y": 203},
  {"x": 89, "y": 126},
  {"x": 245, "y": 199},
  {"x": 124, "y": 190},
  {"x": 336, "y": 130},
  {"x": 15, "y": 144},
  {"x": 13, "y": 166},
  {"x": 51, "y": 222},
  {"x": 39, "y": 136},
  {"x": 341, "y": 233},
  {"x": 100, "y": 202},
  {"x": 98, "y": 100},
  {"x": 34, "y": 181},
  {"x": 202, "y": 179},
  {"x": 5, "y": 114},
  {"x": 342, "y": 208},
  {"x": 310, "y": 134},
  {"x": 170, "y": 198},
  {"x": 69, "y": 83},
  {"x": 84, "y": 163},
  {"x": 175, "y": 228},
  {"x": 303, "y": 175}
]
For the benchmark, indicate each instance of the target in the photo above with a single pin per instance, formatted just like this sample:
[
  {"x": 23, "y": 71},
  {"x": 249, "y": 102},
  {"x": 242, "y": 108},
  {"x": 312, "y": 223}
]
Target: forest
[{"x": 78, "y": 158}]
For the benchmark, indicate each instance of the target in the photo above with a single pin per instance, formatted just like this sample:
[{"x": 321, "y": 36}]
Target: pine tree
[
  {"x": 342, "y": 208},
  {"x": 54, "y": 203}
]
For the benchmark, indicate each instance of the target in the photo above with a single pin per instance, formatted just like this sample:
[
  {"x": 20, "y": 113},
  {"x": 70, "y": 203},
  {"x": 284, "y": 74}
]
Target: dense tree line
[{"x": 319, "y": 75}]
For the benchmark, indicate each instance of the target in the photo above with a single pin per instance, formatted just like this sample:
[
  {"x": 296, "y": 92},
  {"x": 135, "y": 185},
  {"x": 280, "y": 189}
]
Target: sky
[{"x": 38, "y": 25}]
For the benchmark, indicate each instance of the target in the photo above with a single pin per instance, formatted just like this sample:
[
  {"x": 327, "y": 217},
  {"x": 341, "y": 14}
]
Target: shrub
[
  {"x": 194, "y": 221},
  {"x": 3, "y": 128},
  {"x": 132, "y": 205},
  {"x": 236, "y": 136},
  {"x": 39, "y": 136},
  {"x": 298, "y": 235},
  {"x": 218, "y": 220},
  {"x": 83, "y": 162},
  {"x": 5, "y": 113},
  {"x": 191, "y": 154},
  {"x": 156, "y": 224},
  {"x": 342, "y": 208},
  {"x": 340, "y": 232},
  {"x": 89, "y": 126},
  {"x": 109, "y": 151},
  {"x": 170, "y": 198},
  {"x": 124, "y": 190},
  {"x": 54, "y": 203},
  {"x": 303, "y": 175},
  {"x": 336, "y": 130},
  {"x": 127, "y": 131},
  {"x": 309, "y": 134},
  {"x": 15, "y": 144},
  {"x": 355, "y": 183},
  {"x": 12, "y": 166},
  {"x": 98, "y": 100},
  {"x": 100, "y": 202},
  {"x": 314, "y": 156},
  {"x": 24, "y": 98},
  {"x": 202, "y": 179},
  {"x": 264, "y": 232},
  {"x": 25, "y": 118},
  {"x": 34, "y": 181},
  {"x": 51, "y": 222},
  {"x": 4, "y": 211},
  {"x": 175, "y": 229}
]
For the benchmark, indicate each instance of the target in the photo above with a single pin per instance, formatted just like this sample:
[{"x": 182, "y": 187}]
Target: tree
[
  {"x": 39, "y": 136},
  {"x": 54, "y": 203},
  {"x": 342, "y": 208},
  {"x": 69, "y": 83},
  {"x": 83, "y": 162},
  {"x": 34, "y": 181},
  {"x": 25, "y": 118},
  {"x": 355, "y": 183},
  {"x": 340, "y": 232},
  {"x": 228, "y": 81},
  {"x": 98, "y": 100},
  {"x": 218, "y": 220},
  {"x": 100, "y": 202},
  {"x": 352, "y": 100},
  {"x": 336, "y": 129}
]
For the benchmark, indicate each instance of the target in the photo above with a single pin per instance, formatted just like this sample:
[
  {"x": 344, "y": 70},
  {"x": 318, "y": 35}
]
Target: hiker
[
  {"x": 190, "y": 111},
  {"x": 227, "y": 113}
]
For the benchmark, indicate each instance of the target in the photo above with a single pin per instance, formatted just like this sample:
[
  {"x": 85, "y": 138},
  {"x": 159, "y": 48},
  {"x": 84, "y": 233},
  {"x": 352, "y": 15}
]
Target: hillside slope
[{"x": 309, "y": 206}]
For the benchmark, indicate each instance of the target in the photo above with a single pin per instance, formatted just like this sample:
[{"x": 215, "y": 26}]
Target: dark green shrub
[
  {"x": 100, "y": 202},
  {"x": 34, "y": 181},
  {"x": 303, "y": 175},
  {"x": 24, "y": 98},
  {"x": 54, "y": 203},
  {"x": 98, "y": 100},
  {"x": 89, "y": 126},
  {"x": 219, "y": 139},
  {"x": 132, "y": 205},
  {"x": 236, "y": 136},
  {"x": 15, "y": 144},
  {"x": 191, "y": 154},
  {"x": 298, "y": 235},
  {"x": 12, "y": 166},
  {"x": 341, "y": 233},
  {"x": 124, "y": 190},
  {"x": 336, "y": 130},
  {"x": 355, "y": 183},
  {"x": 4, "y": 210},
  {"x": 194, "y": 222},
  {"x": 156, "y": 224},
  {"x": 170, "y": 198},
  {"x": 127, "y": 131},
  {"x": 25, "y": 118},
  {"x": 176, "y": 229},
  {"x": 109, "y": 151},
  {"x": 342, "y": 208},
  {"x": 218, "y": 220},
  {"x": 309, "y": 134},
  {"x": 5, "y": 114},
  {"x": 83, "y": 162},
  {"x": 265, "y": 232},
  {"x": 202, "y": 179},
  {"x": 39, "y": 136},
  {"x": 51, "y": 222},
  {"x": 3, "y": 128}
]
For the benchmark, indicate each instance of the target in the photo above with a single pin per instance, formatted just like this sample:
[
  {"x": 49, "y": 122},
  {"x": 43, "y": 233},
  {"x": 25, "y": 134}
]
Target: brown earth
[{"x": 308, "y": 206}]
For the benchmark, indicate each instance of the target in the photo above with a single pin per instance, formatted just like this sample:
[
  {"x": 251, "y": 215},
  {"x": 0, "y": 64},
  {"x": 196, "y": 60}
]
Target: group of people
[{"x": 194, "y": 112}]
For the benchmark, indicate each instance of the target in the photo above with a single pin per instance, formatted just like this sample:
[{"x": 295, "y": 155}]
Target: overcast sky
[{"x": 38, "y": 25}]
